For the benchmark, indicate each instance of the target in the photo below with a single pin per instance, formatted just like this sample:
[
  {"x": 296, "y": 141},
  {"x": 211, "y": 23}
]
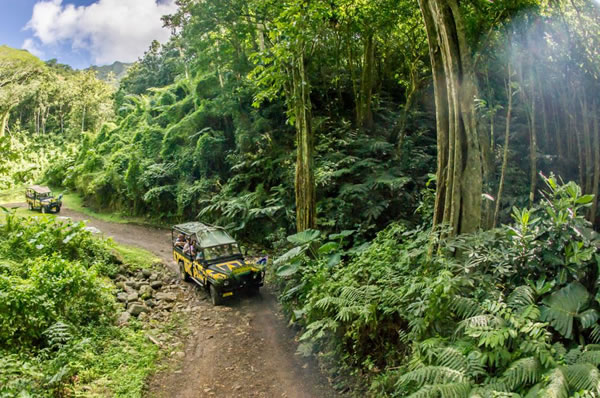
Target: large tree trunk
[
  {"x": 596, "y": 132},
  {"x": 365, "y": 116},
  {"x": 459, "y": 175},
  {"x": 532, "y": 149},
  {"x": 587, "y": 143},
  {"x": 509, "y": 94},
  {"x": 305, "y": 181}
]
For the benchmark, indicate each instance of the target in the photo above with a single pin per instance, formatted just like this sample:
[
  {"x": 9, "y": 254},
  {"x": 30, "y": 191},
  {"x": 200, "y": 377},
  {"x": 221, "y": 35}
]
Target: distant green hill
[
  {"x": 12, "y": 54},
  {"x": 119, "y": 69}
]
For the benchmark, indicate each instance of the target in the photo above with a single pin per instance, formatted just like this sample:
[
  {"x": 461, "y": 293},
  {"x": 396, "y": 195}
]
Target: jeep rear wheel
[
  {"x": 184, "y": 276},
  {"x": 215, "y": 296}
]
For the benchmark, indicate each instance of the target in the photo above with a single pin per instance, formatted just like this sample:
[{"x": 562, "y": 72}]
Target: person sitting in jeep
[
  {"x": 186, "y": 247},
  {"x": 180, "y": 242}
]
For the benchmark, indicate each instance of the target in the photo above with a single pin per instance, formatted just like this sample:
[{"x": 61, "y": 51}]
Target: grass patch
[
  {"x": 136, "y": 257},
  {"x": 73, "y": 201},
  {"x": 119, "y": 368}
]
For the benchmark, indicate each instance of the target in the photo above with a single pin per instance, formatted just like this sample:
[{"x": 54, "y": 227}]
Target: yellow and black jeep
[
  {"x": 209, "y": 256},
  {"x": 41, "y": 198}
]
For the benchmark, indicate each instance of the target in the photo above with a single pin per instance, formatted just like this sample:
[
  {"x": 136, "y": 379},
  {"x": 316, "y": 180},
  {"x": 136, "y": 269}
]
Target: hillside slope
[{"x": 119, "y": 70}]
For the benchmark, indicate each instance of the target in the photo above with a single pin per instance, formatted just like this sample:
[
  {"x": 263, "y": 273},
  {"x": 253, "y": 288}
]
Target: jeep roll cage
[{"x": 207, "y": 237}]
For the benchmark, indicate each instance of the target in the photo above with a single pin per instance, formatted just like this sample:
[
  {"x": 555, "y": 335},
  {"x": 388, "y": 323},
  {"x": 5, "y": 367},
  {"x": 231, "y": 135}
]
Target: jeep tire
[{"x": 215, "y": 296}]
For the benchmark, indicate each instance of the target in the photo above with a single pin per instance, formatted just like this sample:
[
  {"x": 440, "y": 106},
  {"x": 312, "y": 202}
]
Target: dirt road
[{"x": 241, "y": 349}]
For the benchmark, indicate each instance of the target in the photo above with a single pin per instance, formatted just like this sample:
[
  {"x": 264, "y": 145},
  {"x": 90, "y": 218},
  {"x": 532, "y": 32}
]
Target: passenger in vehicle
[
  {"x": 186, "y": 247},
  {"x": 190, "y": 248},
  {"x": 180, "y": 242}
]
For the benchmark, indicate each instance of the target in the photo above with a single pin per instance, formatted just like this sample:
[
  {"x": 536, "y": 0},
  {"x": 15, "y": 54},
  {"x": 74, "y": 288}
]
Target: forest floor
[{"x": 241, "y": 349}]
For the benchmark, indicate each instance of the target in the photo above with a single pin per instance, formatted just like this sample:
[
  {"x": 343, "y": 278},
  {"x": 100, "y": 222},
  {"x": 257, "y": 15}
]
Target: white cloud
[
  {"x": 111, "y": 30},
  {"x": 31, "y": 46}
]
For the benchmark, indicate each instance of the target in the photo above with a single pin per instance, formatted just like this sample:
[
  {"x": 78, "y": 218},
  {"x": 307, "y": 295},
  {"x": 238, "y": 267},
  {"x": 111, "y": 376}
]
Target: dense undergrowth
[
  {"x": 165, "y": 161},
  {"x": 57, "y": 315},
  {"x": 513, "y": 310},
  {"x": 24, "y": 159}
]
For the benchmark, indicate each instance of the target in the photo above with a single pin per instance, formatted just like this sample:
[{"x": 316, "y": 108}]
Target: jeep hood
[{"x": 227, "y": 267}]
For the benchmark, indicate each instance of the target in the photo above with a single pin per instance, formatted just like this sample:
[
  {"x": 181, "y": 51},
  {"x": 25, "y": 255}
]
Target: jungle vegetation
[
  {"x": 58, "y": 331},
  {"x": 429, "y": 170}
]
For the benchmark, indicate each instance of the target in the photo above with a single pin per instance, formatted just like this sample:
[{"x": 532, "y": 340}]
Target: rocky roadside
[{"x": 147, "y": 294}]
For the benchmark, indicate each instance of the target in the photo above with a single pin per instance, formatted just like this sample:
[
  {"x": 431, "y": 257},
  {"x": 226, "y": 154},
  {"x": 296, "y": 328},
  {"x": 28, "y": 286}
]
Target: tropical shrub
[
  {"x": 512, "y": 310},
  {"x": 57, "y": 313}
]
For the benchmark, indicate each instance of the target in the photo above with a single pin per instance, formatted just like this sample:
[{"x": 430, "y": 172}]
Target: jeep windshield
[{"x": 222, "y": 252}]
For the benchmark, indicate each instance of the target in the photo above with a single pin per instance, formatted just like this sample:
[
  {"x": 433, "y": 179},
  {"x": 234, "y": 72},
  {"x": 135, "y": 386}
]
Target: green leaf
[
  {"x": 304, "y": 237},
  {"x": 585, "y": 199},
  {"x": 344, "y": 234},
  {"x": 290, "y": 255},
  {"x": 589, "y": 318},
  {"x": 563, "y": 306},
  {"x": 334, "y": 260},
  {"x": 287, "y": 270},
  {"x": 328, "y": 247}
]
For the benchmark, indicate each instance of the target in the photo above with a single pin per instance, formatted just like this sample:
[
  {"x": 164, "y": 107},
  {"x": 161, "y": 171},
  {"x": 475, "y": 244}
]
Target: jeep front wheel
[{"x": 215, "y": 296}]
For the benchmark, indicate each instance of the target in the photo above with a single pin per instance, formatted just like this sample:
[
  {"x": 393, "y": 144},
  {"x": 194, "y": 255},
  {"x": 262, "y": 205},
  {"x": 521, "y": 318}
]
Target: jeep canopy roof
[
  {"x": 39, "y": 189},
  {"x": 207, "y": 235}
]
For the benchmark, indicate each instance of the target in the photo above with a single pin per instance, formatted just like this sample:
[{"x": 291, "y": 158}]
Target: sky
[{"x": 84, "y": 32}]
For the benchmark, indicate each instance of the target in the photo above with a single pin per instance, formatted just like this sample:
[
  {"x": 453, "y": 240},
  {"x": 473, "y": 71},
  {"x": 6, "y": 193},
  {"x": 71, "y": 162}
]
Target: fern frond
[
  {"x": 521, "y": 297},
  {"x": 359, "y": 294},
  {"x": 531, "y": 312},
  {"x": 475, "y": 364},
  {"x": 523, "y": 371},
  {"x": 452, "y": 358},
  {"x": 592, "y": 357},
  {"x": 433, "y": 375},
  {"x": 58, "y": 334},
  {"x": 450, "y": 390},
  {"x": 481, "y": 321},
  {"x": 466, "y": 307},
  {"x": 583, "y": 376},
  {"x": 595, "y": 334},
  {"x": 557, "y": 387}
]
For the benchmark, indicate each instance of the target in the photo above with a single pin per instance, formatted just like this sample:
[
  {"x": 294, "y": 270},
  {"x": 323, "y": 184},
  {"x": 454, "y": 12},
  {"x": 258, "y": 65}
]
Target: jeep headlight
[
  {"x": 255, "y": 275},
  {"x": 226, "y": 283}
]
